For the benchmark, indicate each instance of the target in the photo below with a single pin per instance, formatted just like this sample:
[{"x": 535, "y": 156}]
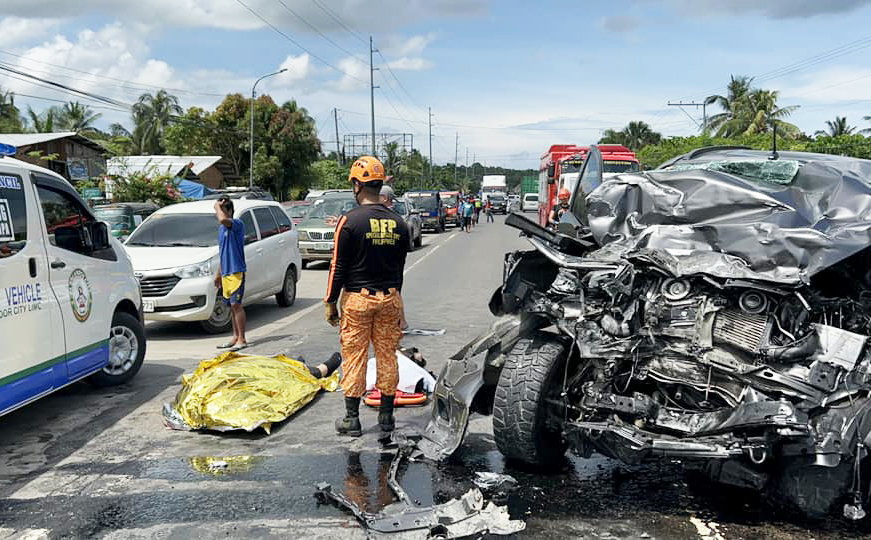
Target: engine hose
[
  {"x": 761, "y": 460},
  {"x": 801, "y": 348}
]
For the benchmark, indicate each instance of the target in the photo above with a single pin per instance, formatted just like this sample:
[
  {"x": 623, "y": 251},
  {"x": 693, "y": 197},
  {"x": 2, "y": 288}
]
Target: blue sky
[{"x": 509, "y": 77}]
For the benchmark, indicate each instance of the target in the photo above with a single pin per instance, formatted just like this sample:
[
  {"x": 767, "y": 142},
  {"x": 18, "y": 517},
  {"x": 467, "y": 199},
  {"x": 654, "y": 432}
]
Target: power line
[
  {"x": 316, "y": 29},
  {"x": 107, "y": 77},
  {"x": 290, "y": 39},
  {"x": 401, "y": 86},
  {"x": 335, "y": 17}
]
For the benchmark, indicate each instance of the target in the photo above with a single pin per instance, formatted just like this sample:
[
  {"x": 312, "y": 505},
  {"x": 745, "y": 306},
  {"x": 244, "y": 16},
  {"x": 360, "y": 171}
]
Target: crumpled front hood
[{"x": 720, "y": 224}]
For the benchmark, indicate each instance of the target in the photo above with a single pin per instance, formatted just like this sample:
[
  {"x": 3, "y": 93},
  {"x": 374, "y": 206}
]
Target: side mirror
[
  {"x": 551, "y": 171},
  {"x": 99, "y": 236}
]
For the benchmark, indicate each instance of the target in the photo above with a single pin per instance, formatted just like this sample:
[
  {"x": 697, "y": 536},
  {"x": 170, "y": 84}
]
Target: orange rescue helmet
[
  {"x": 367, "y": 169},
  {"x": 564, "y": 194}
]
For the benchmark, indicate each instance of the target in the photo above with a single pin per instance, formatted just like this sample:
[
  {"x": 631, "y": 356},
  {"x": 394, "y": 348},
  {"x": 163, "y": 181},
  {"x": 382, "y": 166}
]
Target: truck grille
[
  {"x": 316, "y": 235},
  {"x": 158, "y": 286}
]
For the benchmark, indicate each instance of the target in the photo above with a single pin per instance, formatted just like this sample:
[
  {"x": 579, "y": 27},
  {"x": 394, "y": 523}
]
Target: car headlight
[
  {"x": 303, "y": 236},
  {"x": 203, "y": 269}
]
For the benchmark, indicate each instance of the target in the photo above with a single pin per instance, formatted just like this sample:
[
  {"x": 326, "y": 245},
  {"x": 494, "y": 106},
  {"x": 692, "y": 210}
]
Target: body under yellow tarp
[{"x": 238, "y": 391}]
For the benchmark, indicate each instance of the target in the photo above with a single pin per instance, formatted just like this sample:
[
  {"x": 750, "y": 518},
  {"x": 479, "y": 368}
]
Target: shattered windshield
[{"x": 780, "y": 171}]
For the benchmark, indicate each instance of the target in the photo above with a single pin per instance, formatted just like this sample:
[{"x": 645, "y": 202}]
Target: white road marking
[{"x": 433, "y": 250}]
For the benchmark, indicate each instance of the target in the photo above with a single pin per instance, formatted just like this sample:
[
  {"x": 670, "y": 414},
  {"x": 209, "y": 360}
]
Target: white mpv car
[{"x": 175, "y": 257}]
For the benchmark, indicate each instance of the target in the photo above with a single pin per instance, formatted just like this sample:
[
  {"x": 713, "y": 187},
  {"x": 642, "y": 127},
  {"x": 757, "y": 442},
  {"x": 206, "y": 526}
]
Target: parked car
[
  {"x": 432, "y": 211},
  {"x": 317, "y": 229},
  {"x": 530, "y": 203},
  {"x": 175, "y": 257},
  {"x": 240, "y": 193},
  {"x": 297, "y": 210},
  {"x": 411, "y": 215},
  {"x": 70, "y": 307},
  {"x": 498, "y": 203},
  {"x": 123, "y": 218},
  {"x": 316, "y": 194},
  {"x": 451, "y": 200}
]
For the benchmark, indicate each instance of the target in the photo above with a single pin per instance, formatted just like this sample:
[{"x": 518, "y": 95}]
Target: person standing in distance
[
  {"x": 370, "y": 247},
  {"x": 231, "y": 269},
  {"x": 468, "y": 211}
]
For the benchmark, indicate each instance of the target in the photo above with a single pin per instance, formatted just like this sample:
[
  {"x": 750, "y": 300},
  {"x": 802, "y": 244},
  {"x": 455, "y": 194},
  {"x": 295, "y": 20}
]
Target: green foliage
[
  {"x": 836, "y": 127},
  {"x": 327, "y": 174},
  {"x": 151, "y": 116},
  {"x": 635, "y": 136},
  {"x": 143, "y": 186},
  {"x": 10, "y": 116},
  {"x": 749, "y": 111}
]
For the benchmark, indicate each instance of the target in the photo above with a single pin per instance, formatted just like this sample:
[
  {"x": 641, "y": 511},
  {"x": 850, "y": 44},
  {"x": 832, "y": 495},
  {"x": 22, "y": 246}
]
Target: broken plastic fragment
[
  {"x": 491, "y": 480},
  {"x": 423, "y": 332}
]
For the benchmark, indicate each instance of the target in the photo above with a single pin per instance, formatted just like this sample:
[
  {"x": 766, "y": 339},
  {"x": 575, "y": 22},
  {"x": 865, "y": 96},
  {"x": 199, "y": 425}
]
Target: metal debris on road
[
  {"x": 423, "y": 332},
  {"x": 235, "y": 391},
  {"x": 462, "y": 517},
  {"x": 491, "y": 480}
]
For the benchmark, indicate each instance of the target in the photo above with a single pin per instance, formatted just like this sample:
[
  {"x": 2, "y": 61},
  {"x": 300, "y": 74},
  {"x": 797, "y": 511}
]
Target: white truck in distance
[{"x": 494, "y": 182}]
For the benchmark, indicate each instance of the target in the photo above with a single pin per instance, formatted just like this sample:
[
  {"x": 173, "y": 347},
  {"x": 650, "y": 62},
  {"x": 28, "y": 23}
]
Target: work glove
[{"x": 332, "y": 313}]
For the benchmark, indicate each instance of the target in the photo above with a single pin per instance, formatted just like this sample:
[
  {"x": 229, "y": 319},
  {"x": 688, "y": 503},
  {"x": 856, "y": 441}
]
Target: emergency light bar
[{"x": 7, "y": 150}]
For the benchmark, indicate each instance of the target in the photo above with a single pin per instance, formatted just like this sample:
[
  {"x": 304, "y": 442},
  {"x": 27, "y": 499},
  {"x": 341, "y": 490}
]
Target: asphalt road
[{"x": 89, "y": 462}]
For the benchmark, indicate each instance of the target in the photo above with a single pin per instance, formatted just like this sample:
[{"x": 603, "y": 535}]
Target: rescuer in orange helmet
[
  {"x": 370, "y": 246},
  {"x": 556, "y": 213}
]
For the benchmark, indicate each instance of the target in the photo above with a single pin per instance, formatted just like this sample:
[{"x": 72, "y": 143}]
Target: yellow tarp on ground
[{"x": 237, "y": 391}]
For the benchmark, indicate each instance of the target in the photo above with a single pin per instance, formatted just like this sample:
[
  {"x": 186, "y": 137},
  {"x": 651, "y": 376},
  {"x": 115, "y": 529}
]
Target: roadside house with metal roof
[
  {"x": 70, "y": 154},
  {"x": 211, "y": 171}
]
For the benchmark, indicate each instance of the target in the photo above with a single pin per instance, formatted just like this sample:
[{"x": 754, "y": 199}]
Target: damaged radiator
[{"x": 745, "y": 331}]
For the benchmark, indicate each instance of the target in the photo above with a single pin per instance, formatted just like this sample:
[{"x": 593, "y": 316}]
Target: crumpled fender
[{"x": 463, "y": 377}]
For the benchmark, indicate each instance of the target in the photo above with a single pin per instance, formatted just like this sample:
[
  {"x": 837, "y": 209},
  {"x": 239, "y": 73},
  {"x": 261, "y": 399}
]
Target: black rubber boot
[
  {"x": 385, "y": 413},
  {"x": 350, "y": 424}
]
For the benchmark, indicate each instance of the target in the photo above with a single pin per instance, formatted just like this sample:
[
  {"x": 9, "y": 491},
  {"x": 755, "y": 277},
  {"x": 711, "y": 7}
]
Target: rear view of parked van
[{"x": 69, "y": 304}]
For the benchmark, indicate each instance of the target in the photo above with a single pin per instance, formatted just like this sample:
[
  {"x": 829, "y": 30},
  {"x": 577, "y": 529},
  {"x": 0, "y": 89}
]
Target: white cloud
[
  {"x": 775, "y": 9},
  {"x": 298, "y": 68},
  {"x": 15, "y": 30},
  {"x": 413, "y": 46},
  {"x": 410, "y": 64},
  {"x": 619, "y": 23}
]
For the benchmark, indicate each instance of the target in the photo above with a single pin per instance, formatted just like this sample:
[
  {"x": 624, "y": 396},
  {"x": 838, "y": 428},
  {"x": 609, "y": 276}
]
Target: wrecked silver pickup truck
[{"x": 715, "y": 310}]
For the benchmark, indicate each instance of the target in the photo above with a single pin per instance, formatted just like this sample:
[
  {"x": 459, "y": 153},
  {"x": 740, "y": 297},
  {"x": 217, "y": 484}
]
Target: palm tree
[
  {"x": 10, "y": 116},
  {"x": 736, "y": 94},
  {"x": 762, "y": 113},
  {"x": 117, "y": 130},
  {"x": 836, "y": 127},
  {"x": 636, "y": 135},
  {"x": 44, "y": 121},
  {"x": 77, "y": 117},
  {"x": 151, "y": 115},
  {"x": 866, "y": 130}
]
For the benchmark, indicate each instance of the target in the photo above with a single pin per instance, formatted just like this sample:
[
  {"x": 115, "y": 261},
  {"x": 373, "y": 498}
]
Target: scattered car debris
[
  {"x": 236, "y": 391},
  {"x": 715, "y": 311},
  {"x": 423, "y": 332},
  {"x": 468, "y": 515},
  {"x": 491, "y": 480}
]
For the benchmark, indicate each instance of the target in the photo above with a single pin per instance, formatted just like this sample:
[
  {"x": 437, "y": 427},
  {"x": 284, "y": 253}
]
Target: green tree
[
  {"x": 148, "y": 185},
  {"x": 636, "y": 135},
  {"x": 74, "y": 116},
  {"x": 838, "y": 126},
  {"x": 42, "y": 122},
  {"x": 748, "y": 110},
  {"x": 736, "y": 95},
  {"x": 192, "y": 134},
  {"x": 327, "y": 174},
  {"x": 151, "y": 115},
  {"x": 10, "y": 116}
]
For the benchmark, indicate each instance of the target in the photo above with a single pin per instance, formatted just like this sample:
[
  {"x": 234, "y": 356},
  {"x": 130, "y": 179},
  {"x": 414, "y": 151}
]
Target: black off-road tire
[{"x": 533, "y": 371}]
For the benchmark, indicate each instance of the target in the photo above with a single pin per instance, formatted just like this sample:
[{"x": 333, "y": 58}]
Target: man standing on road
[
  {"x": 467, "y": 210},
  {"x": 231, "y": 269},
  {"x": 559, "y": 209},
  {"x": 369, "y": 252},
  {"x": 488, "y": 209},
  {"x": 477, "y": 210},
  {"x": 386, "y": 196}
]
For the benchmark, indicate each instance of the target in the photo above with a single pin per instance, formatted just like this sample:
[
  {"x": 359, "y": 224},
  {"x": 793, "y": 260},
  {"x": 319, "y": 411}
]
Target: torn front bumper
[{"x": 475, "y": 365}]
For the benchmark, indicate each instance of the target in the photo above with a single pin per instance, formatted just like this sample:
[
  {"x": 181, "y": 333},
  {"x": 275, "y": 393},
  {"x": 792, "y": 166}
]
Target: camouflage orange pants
[{"x": 370, "y": 318}]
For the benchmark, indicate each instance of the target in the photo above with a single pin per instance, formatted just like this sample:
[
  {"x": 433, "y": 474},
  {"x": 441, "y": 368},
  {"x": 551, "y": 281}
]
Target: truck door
[
  {"x": 31, "y": 330},
  {"x": 81, "y": 279}
]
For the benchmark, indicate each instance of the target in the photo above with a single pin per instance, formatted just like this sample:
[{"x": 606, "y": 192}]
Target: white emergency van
[{"x": 69, "y": 303}]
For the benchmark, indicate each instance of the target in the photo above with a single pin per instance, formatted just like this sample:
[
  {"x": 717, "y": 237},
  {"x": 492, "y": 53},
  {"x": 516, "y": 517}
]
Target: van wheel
[
  {"x": 126, "y": 351},
  {"x": 418, "y": 241},
  {"x": 287, "y": 296},
  {"x": 221, "y": 319}
]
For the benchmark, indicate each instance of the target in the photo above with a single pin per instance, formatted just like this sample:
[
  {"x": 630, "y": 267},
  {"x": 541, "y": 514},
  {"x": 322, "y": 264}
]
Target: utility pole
[
  {"x": 703, "y": 105},
  {"x": 430, "y": 144},
  {"x": 372, "y": 88},
  {"x": 467, "y": 165},
  {"x": 456, "y": 149},
  {"x": 336, "y": 121}
]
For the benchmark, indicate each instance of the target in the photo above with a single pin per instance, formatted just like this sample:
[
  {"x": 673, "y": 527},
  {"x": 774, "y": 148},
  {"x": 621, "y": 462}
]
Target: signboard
[
  {"x": 92, "y": 193},
  {"x": 78, "y": 168}
]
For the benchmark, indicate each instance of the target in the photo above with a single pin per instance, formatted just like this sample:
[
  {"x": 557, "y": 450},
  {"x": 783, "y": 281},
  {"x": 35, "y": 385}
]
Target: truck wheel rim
[{"x": 123, "y": 350}]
